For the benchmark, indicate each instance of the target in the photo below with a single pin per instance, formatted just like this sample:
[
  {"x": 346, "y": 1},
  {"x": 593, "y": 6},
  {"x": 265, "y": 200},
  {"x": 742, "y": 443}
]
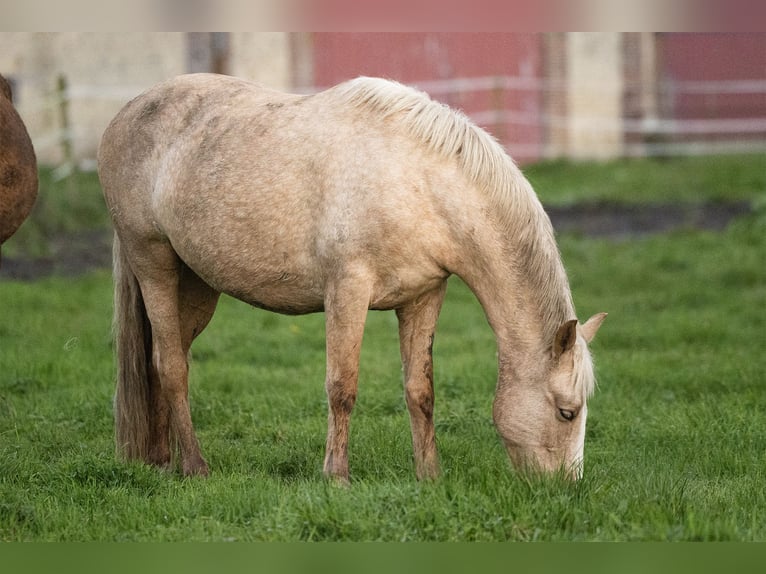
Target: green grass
[
  {"x": 64, "y": 206},
  {"x": 651, "y": 180},
  {"x": 676, "y": 440},
  {"x": 75, "y": 204}
]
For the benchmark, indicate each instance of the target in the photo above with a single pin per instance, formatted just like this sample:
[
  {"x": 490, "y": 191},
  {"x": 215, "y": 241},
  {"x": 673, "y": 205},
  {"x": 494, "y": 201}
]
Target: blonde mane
[
  {"x": 450, "y": 133},
  {"x": 583, "y": 375}
]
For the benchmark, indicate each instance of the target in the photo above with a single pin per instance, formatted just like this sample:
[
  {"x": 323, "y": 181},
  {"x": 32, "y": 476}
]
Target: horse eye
[{"x": 567, "y": 415}]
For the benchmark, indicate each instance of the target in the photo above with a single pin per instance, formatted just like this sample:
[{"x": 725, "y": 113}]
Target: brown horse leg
[
  {"x": 346, "y": 310},
  {"x": 417, "y": 322},
  {"x": 158, "y": 273}
]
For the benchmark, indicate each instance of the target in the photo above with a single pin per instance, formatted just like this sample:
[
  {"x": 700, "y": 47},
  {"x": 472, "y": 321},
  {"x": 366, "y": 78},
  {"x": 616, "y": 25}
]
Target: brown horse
[
  {"x": 18, "y": 167},
  {"x": 365, "y": 196}
]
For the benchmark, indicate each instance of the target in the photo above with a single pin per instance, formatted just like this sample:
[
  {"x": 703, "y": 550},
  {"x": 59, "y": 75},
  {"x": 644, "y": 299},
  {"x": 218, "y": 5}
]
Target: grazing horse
[
  {"x": 18, "y": 167},
  {"x": 368, "y": 195}
]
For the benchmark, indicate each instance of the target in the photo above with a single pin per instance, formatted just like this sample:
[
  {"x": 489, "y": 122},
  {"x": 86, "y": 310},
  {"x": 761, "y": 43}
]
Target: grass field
[
  {"x": 650, "y": 180},
  {"x": 76, "y": 204},
  {"x": 676, "y": 438}
]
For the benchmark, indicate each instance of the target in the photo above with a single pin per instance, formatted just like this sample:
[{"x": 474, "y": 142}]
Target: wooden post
[
  {"x": 208, "y": 52},
  {"x": 498, "y": 107},
  {"x": 67, "y": 150}
]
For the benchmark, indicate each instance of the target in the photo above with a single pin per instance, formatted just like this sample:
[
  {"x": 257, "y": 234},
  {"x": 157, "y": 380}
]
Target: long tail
[{"x": 133, "y": 342}]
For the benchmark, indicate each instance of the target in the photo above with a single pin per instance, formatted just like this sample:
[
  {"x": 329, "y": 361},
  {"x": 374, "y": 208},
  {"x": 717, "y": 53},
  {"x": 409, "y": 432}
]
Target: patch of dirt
[
  {"x": 71, "y": 255},
  {"x": 620, "y": 221},
  {"x": 75, "y": 254}
]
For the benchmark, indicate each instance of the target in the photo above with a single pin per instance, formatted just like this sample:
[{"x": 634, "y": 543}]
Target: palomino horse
[
  {"x": 18, "y": 167},
  {"x": 365, "y": 196}
]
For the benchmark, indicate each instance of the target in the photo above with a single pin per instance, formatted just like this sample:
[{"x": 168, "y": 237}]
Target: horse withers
[
  {"x": 368, "y": 195},
  {"x": 18, "y": 167}
]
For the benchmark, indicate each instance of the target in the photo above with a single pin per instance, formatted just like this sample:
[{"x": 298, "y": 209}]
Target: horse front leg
[
  {"x": 346, "y": 307},
  {"x": 417, "y": 322}
]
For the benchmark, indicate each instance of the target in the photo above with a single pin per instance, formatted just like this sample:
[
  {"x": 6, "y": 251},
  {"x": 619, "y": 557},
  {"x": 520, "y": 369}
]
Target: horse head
[{"x": 541, "y": 415}]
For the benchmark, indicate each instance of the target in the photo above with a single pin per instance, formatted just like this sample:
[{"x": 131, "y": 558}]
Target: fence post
[
  {"x": 498, "y": 107},
  {"x": 67, "y": 150}
]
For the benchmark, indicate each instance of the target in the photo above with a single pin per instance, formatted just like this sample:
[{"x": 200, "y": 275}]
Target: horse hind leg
[
  {"x": 197, "y": 302},
  {"x": 166, "y": 296},
  {"x": 417, "y": 322}
]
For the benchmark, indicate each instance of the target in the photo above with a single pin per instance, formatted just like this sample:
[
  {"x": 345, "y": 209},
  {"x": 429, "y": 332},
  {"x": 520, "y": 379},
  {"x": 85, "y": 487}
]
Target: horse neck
[{"x": 519, "y": 279}]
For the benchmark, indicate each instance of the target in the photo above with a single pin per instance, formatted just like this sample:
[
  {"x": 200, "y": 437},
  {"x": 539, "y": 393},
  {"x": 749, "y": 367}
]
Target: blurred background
[
  {"x": 619, "y": 133},
  {"x": 647, "y": 151},
  {"x": 550, "y": 95}
]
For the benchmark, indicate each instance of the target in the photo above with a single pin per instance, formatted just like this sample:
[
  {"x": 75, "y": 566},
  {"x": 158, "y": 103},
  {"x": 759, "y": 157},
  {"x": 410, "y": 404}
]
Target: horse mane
[
  {"x": 584, "y": 378},
  {"x": 450, "y": 133}
]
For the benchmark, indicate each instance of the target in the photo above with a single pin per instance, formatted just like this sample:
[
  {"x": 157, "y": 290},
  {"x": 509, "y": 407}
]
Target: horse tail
[{"x": 133, "y": 347}]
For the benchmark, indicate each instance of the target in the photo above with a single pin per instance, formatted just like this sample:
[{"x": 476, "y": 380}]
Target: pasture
[{"x": 675, "y": 445}]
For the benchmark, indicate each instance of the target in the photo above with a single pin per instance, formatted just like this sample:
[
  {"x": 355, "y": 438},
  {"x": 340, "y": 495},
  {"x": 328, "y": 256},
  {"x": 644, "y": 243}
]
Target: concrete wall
[
  {"x": 580, "y": 95},
  {"x": 262, "y": 56},
  {"x": 594, "y": 87},
  {"x": 105, "y": 70}
]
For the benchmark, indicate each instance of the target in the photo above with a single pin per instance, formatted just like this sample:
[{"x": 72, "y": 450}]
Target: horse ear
[
  {"x": 565, "y": 338},
  {"x": 590, "y": 328}
]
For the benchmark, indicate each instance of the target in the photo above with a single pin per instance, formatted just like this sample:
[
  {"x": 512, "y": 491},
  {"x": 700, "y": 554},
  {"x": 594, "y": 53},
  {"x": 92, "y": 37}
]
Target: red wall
[
  {"x": 421, "y": 57},
  {"x": 711, "y": 57},
  {"x": 684, "y": 61}
]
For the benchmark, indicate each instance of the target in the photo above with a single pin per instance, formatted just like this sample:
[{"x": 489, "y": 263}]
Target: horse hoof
[
  {"x": 197, "y": 468},
  {"x": 431, "y": 476},
  {"x": 342, "y": 483},
  {"x": 162, "y": 461},
  {"x": 339, "y": 481},
  {"x": 427, "y": 473}
]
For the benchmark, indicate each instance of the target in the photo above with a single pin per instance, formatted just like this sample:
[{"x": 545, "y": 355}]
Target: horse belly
[
  {"x": 254, "y": 267},
  {"x": 286, "y": 288},
  {"x": 292, "y": 299},
  {"x": 298, "y": 288},
  {"x": 287, "y": 275}
]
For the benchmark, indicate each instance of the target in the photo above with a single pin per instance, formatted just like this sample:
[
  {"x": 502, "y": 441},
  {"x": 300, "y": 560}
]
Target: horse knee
[
  {"x": 341, "y": 395},
  {"x": 172, "y": 373},
  {"x": 420, "y": 399}
]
